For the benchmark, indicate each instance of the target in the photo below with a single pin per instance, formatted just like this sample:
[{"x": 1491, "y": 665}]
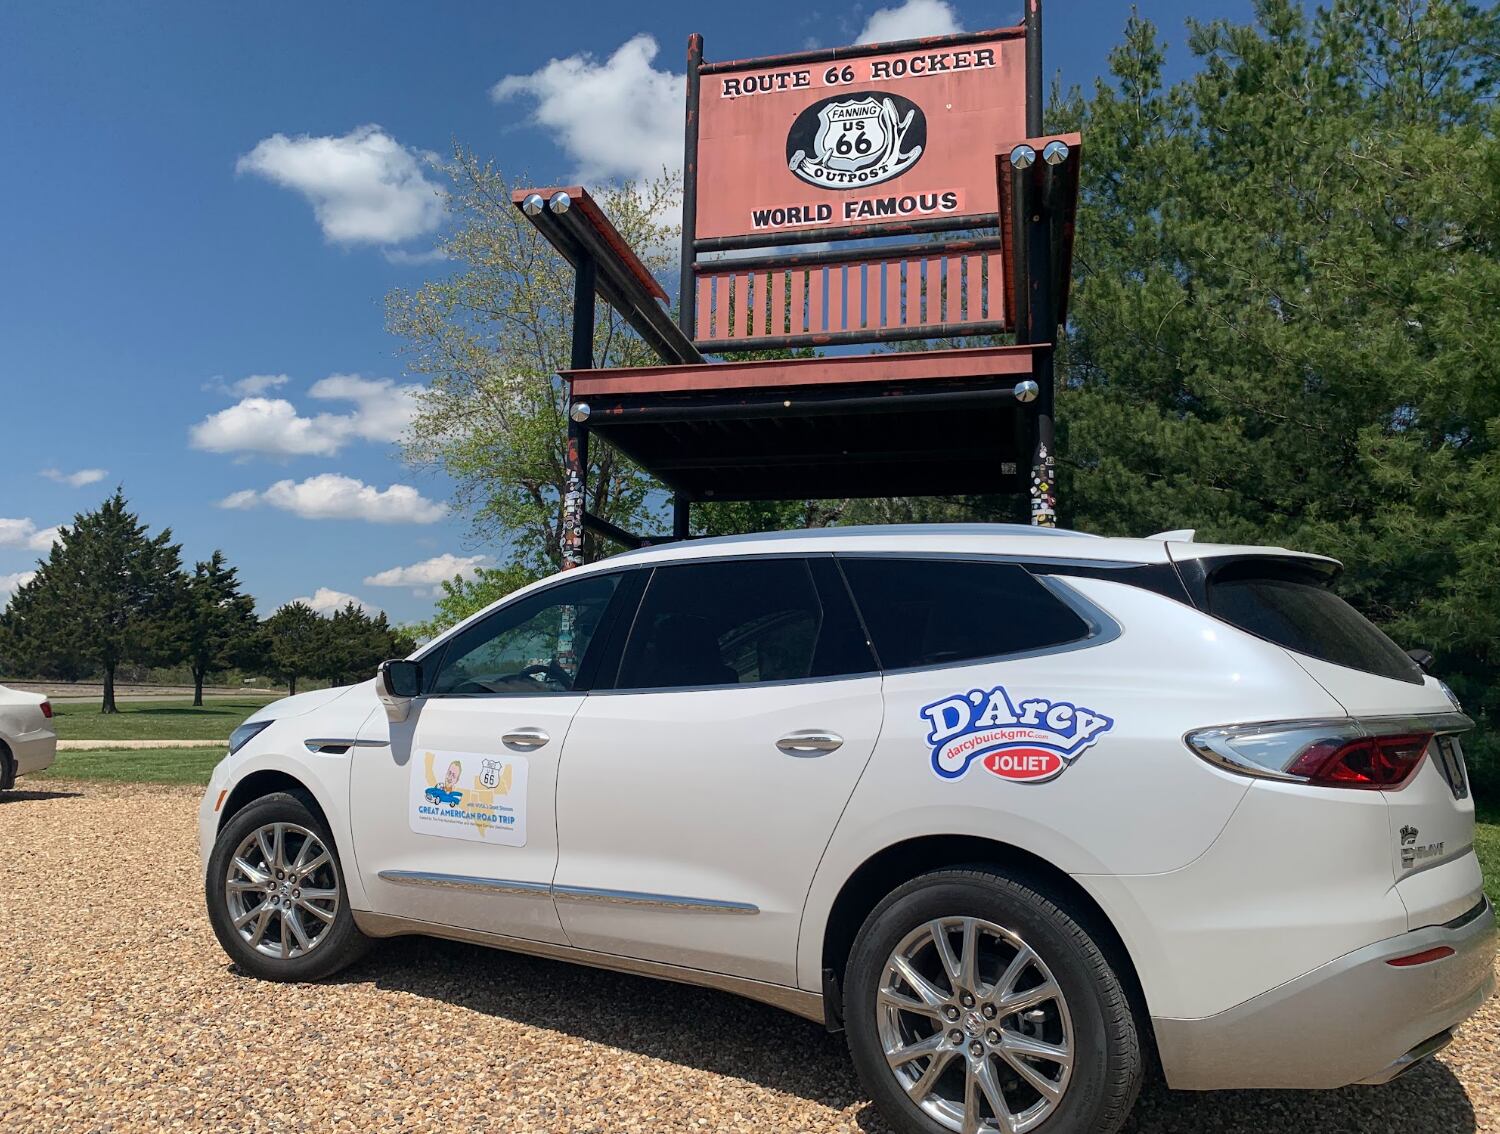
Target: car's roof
[{"x": 1010, "y": 540}]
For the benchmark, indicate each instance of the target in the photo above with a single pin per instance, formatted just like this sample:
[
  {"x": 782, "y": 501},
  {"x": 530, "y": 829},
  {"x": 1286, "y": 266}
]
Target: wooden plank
[
  {"x": 703, "y": 312},
  {"x": 836, "y": 298},
  {"x": 816, "y": 312},
  {"x": 798, "y": 302},
  {"x": 982, "y": 363},
  {"x": 890, "y": 294},
  {"x": 973, "y": 290},
  {"x": 746, "y": 303},
  {"x": 952, "y": 290},
  {"x": 994, "y": 308},
  {"x": 776, "y": 303}
]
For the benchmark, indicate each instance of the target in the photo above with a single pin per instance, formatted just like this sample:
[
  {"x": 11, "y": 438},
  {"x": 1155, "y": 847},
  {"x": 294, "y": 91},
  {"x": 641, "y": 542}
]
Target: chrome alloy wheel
[
  {"x": 974, "y": 1027},
  {"x": 282, "y": 890}
]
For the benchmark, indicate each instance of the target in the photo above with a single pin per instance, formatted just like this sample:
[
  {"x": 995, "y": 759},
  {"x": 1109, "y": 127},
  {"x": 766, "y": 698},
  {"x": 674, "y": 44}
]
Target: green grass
[
  {"x": 134, "y": 766},
  {"x": 1487, "y": 845},
  {"x": 154, "y": 720}
]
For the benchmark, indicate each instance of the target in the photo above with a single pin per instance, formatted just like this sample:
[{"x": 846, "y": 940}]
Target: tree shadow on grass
[{"x": 726, "y": 1035}]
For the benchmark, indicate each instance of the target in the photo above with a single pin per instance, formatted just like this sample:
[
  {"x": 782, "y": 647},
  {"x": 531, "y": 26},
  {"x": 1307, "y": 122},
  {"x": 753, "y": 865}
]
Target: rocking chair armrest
[{"x": 574, "y": 224}]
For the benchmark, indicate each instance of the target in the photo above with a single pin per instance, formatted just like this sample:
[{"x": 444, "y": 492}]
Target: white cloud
[
  {"x": 75, "y": 479},
  {"x": 402, "y": 256},
  {"x": 910, "y": 20},
  {"x": 382, "y": 411},
  {"x": 365, "y": 187},
  {"x": 256, "y": 384},
  {"x": 326, "y": 600},
  {"x": 619, "y": 118},
  {"x": 330, "y": 496},
  {"x": 10, "y": 584},
  {"x": 427, "y": 576},
  {"x": 25, "y": 533}
]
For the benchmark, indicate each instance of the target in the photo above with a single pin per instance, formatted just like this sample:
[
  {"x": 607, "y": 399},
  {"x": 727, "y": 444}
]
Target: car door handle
[
  {"x": 525, "y": 738},
  {"x": 809, "y": 742}
]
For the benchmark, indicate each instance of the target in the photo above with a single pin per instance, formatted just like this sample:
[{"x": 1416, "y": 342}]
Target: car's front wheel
[
  {"x": 974, "y": 1003},
  {"x": 276, "y": 896}
]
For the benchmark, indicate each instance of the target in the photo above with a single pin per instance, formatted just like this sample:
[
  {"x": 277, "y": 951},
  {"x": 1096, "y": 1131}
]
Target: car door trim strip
[{"x": 634, "y": 898}]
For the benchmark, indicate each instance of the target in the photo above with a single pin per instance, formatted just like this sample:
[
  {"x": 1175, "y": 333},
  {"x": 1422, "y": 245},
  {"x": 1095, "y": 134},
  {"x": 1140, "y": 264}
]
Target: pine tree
[
  {"x": 222, "y": 625},
  {"x": 295, "y": 641},
  {"x": 107, "y": 593}
]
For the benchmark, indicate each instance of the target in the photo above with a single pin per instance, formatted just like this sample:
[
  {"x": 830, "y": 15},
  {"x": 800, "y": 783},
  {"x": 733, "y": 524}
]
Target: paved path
[{"x": 98, "y": 745}]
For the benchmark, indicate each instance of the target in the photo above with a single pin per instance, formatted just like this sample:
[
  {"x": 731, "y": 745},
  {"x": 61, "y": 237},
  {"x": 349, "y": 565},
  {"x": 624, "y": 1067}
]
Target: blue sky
[{"x": 203, "y": 206}]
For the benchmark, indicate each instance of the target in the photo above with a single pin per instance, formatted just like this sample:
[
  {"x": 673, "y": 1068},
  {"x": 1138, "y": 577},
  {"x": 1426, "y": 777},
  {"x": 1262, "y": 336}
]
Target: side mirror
[
  {"x": 1422, "y": 657},
  {"x": 396, "y": 683}
]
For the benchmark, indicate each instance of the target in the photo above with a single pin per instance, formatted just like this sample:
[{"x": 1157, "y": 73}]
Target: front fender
[{"x": 325, "y": 776}]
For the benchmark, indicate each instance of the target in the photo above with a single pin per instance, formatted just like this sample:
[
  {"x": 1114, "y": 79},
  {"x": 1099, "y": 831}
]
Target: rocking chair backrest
[{"x": 871, "y": 154}]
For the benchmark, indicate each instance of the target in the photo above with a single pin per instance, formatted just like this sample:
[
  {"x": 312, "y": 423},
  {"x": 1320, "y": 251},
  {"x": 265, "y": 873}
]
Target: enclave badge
[{"x": 856, "y": 139}]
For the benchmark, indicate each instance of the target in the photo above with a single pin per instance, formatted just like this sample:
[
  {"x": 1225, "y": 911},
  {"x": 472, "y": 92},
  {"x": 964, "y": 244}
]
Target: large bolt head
[
  {"x": 992, "y": 1035},
  {"x": 989, "y": 1011},
  {"x": 951, "y": 1012},
  {"x": 956, "y": 1036},
  {"x": 967, "y": 999},
  {"x": 976, "y": 1049},
  {"x": 580, "y": 412},
  {"x": 560, "y": 203},
  {"x": 1026, "y": 391},
  {"x": 1055, "y": 152},
  {"x": 533, "y": 204},
  {"x": 1023, "y": 156}
]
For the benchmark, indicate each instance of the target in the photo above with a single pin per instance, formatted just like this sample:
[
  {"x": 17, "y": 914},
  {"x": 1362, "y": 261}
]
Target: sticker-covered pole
[
  {"x": 687, "y": 292},
  {"x": 1041, "y": 318},
  {"x": 577, "y": 457}
]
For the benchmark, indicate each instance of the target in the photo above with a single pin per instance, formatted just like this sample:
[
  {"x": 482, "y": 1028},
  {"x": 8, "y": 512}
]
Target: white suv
[{"x": 1019, "y": 811}]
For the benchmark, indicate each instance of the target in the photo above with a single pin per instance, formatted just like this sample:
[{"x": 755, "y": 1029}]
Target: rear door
[
  {"x": 698, "y": 795},
  {"x": 1431, "y": 816}
]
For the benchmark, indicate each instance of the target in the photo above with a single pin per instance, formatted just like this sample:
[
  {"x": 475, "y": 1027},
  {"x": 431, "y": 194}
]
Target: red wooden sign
[{"x": 858, "y": 138}]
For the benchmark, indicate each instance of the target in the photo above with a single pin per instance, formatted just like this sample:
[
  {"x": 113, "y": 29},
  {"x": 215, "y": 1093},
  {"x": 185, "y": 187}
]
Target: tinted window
[
  {"x": 705, "y": 624},
  {"x": 1302, "y": 614},
  {"x": 936, "y": 612},
  {"x": 534, "y": 645}
]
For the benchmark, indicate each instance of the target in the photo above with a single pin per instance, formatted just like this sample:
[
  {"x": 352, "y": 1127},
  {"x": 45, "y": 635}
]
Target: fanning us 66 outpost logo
[
  {"x": 856, "y": 139},
  {"x": 1029, "y": 741}
]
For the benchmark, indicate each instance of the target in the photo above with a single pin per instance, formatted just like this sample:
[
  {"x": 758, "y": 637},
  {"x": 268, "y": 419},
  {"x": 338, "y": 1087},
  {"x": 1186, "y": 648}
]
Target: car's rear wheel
[
  {"x": 275, "y": 891},
  {"x": 974, "y": 1003}
]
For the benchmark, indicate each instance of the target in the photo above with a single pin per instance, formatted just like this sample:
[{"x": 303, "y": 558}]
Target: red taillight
[
  {"x": 1426, "y": 956},
  {"x": 47, "y": 709},
  {"x": 1368, "y": 762}
]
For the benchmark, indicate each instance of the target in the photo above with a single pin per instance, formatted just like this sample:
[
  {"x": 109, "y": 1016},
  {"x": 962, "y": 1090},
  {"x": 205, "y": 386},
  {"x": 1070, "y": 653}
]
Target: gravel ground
[{"x": 118, "y": 1012}]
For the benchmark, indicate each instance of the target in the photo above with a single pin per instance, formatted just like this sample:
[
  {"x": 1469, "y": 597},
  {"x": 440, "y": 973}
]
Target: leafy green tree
[
  {"x": 1283, "y": 323},
  {"x": 221, "y": 623},
  {"x": 464, "y": 595},
  {"x": 108, "y": 593},
  {"x": 295, "y": 641},
  {"x": 490, "y": 339}
]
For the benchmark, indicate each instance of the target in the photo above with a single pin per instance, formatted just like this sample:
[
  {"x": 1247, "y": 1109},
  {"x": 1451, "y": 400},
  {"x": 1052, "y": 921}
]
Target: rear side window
[
  {"x": 1298, "y": 611},
  {"x": 937, "y": 612},
  {"x": 738, "y": 623}
]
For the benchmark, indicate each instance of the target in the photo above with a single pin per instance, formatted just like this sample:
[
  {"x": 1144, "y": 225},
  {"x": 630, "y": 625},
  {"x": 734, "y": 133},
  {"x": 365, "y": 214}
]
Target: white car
[
  {"x": 1019, "y": 811},
  {"x": 28, "y": 742}
]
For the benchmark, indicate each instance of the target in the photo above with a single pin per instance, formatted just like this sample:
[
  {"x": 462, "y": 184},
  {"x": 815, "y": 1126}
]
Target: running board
[{"x": 808, "y": 1005}]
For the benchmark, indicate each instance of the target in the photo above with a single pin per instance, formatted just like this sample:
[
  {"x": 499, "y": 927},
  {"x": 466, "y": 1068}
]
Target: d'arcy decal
[
  {"x": 856, "y": 139},
  {"x": 1027, "y": 741}
]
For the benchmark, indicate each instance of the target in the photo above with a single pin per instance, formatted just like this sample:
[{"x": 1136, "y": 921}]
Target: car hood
[{"x": 304, "y": 703}]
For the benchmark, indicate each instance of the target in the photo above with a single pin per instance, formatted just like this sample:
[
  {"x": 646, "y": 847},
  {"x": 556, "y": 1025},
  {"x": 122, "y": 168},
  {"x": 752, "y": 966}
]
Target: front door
[
  {"x": 454, "y": 821},
  {"x": 698, "y": 795}
]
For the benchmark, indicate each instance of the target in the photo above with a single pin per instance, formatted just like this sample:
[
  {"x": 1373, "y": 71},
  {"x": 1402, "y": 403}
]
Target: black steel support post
[
  {"x": 687, "y": 288},
  {"x": 582, "y": 358},
  {"x": 682, "y": 513},
  {"x": 1042, "y": 319}
]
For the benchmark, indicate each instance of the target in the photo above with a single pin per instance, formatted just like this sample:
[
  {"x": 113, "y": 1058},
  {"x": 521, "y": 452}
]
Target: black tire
[
  {"x": 341, "y": 944},
  {"x": 1108, "y": 1064},
  {"x": 7, "y": 768}
]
